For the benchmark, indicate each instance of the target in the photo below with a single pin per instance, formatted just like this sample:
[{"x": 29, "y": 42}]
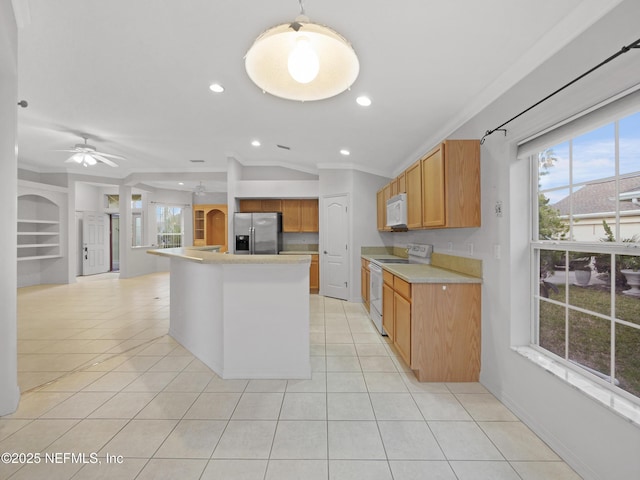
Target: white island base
[{"x": 245, "y": 317}]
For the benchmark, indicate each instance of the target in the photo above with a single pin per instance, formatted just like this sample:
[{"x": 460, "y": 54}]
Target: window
[
  {"x": 585, "y": 250},
  {"x": 169, "y": 223}
]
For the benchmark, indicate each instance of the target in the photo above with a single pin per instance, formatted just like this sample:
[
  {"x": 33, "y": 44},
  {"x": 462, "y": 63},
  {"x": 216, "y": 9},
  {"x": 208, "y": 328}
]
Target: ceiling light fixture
[
  {"x": 363, "y": 101},
  {"x": 345, "y": 152},
  {"x": 302, "y": 61},
  {"x": 255, "y": 143},
  {"x": 216, "y": 88},
  {"x": 200, "y": 190}
]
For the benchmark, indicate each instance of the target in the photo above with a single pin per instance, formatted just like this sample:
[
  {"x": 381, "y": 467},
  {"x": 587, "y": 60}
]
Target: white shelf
[
  {"x": 38, "y": 245},
  {"x": 49, "y": 222},
  {"x": 38, "y": 233},
  {"x": 38, "y": 257}
]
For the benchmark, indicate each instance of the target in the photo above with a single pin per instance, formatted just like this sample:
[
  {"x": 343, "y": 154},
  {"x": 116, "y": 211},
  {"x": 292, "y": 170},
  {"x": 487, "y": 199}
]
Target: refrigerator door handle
[{"x": 252, "y": 240}]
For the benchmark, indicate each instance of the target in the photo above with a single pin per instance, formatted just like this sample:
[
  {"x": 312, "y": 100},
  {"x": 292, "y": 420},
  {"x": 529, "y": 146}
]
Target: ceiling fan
[{"x": 87, "y": 155}]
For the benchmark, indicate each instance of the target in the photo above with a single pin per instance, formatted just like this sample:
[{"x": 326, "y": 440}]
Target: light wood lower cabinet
[
  {"x": 402, "y": 320},
  {"x": 435, "y": 328},
  {"x": 314, "y": 274},
  {"x": 388, "y": 313},
  {"x": 364, "y": 282}
]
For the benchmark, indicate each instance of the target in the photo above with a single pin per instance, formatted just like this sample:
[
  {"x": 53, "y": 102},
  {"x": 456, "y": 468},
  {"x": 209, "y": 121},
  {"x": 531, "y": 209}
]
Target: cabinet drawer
[
  {"x": 387, "y": 277},
  {"x": 402, "y": 287}
]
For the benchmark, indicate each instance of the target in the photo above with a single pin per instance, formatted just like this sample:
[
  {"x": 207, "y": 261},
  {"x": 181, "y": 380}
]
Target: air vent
[
  {"x": 284, "y": 147},
  {"x": 196, "y": 161}
]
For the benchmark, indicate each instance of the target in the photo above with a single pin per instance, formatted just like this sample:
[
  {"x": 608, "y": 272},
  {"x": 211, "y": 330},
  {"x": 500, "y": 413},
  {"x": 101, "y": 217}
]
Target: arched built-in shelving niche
[{"x": 38, "y": 228}]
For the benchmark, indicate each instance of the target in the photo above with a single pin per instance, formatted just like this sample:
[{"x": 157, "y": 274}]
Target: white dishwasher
[{"x": 375, "y": 296}]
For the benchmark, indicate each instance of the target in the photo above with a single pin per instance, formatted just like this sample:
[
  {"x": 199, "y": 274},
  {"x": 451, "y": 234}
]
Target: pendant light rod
[{"x": 500, "y": 128}]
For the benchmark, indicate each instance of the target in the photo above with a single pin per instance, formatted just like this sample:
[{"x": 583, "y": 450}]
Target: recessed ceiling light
[
  {"x": 363, "y": 101},
  {"x": 345, "y": 152},
  {"x": 180, "y": 183},
  {"x": 216, "y": 88},
  {"x": 255, "y": 143}
]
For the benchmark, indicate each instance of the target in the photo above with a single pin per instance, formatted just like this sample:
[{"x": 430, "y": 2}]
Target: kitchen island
[{"x": 244, "y": 316}]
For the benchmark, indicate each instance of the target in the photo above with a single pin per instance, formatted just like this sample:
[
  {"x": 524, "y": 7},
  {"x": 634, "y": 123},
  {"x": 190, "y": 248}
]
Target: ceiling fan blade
[
  {"x": 70, "y": 151},
  {"x": 110, "y": 155},
  {"x": 104, "y": 160}
]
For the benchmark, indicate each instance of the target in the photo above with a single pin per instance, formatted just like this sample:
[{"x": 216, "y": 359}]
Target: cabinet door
[
  {"x": 402, "y": 319},
  {"x": 309, "y": 215},
  {"x": 433, "y": 189},
  {"x": 413, "y": 180},
  {"x": 271, "y": 205},
  {"x": 198, "y": 227},
  {"x": 382, "y": 210},
  {"x": 402, "y": 184},
  {"x": 291, "y": 221},
  {"x": 394, "y": 187},
  {"x": 387, "y": 310},
  {"x": 314, "y": 275},
  {"x": 387, "y": 196},
  {"x": 250, "y": 205},
  {"x": 364, "y": 285}
]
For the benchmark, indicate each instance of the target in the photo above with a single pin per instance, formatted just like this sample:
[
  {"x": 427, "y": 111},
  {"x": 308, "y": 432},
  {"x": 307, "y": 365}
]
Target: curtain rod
[{"x": 500, "y": 128}]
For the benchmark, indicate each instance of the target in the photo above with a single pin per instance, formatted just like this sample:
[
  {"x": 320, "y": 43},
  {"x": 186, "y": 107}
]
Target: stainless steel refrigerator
[{"x": 257, "y": 233}]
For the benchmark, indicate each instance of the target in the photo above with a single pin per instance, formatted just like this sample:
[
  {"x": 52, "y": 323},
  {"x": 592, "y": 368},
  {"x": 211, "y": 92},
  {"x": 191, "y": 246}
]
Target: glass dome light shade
[{"x": 267, "y": 62}]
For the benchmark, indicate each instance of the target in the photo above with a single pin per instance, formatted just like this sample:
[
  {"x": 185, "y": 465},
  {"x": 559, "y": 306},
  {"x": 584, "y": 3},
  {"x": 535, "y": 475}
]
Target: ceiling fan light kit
[
  {"x": 302, "y": 61},
  {"x": 87, "y": 155}
]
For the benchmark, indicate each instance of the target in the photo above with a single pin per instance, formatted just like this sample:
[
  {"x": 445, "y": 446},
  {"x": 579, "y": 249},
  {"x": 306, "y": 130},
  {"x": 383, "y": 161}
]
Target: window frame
[{"x": 615, "y": 248}]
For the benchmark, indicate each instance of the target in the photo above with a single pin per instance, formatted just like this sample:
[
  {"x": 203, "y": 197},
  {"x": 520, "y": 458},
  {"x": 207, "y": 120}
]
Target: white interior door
[
  {"x": 335, "y": 247},
  {"x": 95, "y": 243}
]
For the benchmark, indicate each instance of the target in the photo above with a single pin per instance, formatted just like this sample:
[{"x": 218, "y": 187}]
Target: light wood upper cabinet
[
  {"x": 291, "y": 219},
  {"x": 433, "y": 188},
  {"x": 271, "y": 205},
  {"x": 249, "y": 205},
  {"x": 381, "y": 209},
  {"x": 401, "y": 183},
  {"x": 387, "y": 195},
  {"x": 443, "y": 188},
  {"x": 451, "y": 185},
  {"x": 309, "y": 213},
  {"x": 413, "y": 179}
]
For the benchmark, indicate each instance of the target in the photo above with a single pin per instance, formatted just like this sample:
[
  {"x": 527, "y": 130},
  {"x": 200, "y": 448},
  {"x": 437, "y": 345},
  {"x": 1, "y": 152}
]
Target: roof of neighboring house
[{"x": 600, "y": 197}]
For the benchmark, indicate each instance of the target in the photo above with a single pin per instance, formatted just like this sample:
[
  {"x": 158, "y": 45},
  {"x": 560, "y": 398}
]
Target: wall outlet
[
  {"x": 496, "y": 252},
  {"x": 470, "y": 248},
  {"x": 450, "y": 247},
  {"x": 498, "y": 208}
]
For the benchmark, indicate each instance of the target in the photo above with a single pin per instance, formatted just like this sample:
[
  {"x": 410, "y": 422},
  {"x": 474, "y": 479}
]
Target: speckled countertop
[
  {"x": 299, "y": 252},
  {"x": 420, "y": 273},
  {"x": 205, "y": 255}
]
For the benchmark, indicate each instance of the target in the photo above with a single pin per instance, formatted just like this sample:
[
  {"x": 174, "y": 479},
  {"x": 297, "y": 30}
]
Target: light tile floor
[{"x": 100, "y": 376}]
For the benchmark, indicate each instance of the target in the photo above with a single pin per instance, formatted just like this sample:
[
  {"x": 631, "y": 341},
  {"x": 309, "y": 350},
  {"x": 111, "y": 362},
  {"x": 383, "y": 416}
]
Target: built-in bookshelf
[{"x": 38, "y": 229}]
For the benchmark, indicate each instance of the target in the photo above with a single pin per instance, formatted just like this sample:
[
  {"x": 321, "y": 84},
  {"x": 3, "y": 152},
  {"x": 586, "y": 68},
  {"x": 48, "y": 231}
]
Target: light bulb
[
  {"x": 303, "y": 63},
  {"x": 78, "y": 157},
  {"x": 89, "y": 159}
]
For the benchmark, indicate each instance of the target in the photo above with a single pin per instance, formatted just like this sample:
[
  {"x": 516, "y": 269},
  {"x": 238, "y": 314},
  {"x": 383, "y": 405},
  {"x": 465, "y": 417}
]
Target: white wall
[
  {"x": 9, "y": 392},
  {"x": 361, "y": 188},
  {"x": 596, "y": 442}
]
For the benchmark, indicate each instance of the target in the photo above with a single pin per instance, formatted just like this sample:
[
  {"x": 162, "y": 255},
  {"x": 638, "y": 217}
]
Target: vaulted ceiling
[{"x": 133, "y": 76}]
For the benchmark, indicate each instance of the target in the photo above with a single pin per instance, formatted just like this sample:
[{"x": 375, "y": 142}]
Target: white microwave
[{"x": 397, "y": 211}]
